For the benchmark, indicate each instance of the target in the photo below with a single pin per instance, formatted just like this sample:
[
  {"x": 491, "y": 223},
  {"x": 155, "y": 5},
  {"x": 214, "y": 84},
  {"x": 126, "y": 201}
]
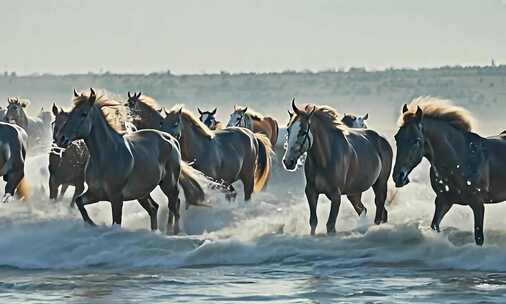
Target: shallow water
[{"x": 250, "y": 252}]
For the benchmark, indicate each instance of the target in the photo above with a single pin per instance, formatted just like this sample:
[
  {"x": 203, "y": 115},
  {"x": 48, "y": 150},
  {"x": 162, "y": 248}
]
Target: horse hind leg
[
  {"x": 13, "y": 179},
  {"x": 380, "y": 195},
  {"x": 151, "y": 208},
  {"x": 356, "y": 202},
  {"x": 171, "y": 190}
]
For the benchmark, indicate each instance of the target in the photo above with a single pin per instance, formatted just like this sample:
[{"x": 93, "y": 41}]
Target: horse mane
[
  {"x": 199, "y": 126},
  {"x": 149, "y": 102},
  {"x": 439, "y": 109},
  {"x": 325, "y": 114},
  {"x": 114, "y": 112},
  {"x": 252, "y": 113},
  {"x": 18, "y": 101}
]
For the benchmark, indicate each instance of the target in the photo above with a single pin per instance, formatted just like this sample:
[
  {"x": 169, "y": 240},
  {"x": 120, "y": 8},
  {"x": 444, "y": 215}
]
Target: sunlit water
[{"x": 258, "y": 251}]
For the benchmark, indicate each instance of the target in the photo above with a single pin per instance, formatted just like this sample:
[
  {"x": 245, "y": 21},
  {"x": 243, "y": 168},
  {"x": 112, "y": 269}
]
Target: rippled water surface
[{"x": 250, "y": 252}]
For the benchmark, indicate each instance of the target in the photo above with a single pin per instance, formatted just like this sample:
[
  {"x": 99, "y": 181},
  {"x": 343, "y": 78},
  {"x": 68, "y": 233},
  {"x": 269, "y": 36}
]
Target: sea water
[{"x": 255, "y": 252}]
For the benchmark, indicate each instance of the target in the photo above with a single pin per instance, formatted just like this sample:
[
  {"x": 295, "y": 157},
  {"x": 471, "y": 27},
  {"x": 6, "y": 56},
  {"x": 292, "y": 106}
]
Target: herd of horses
[{"x": 116, "y": 151}]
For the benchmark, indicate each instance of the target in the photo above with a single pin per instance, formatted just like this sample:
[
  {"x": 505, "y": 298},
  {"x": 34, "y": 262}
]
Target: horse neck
[
  {"x": 192, "y": 142},
  {"x": 102, "y": 142},
  {"x": 322, "y": 143},
  {"x": 444, "y": 145}
]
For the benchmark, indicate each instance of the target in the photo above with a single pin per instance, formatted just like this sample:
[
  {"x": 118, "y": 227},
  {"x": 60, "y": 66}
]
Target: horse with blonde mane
[
  {"x": 466, "y": 168},
  {"x": 225, "y": 155},
  {"x": 340, "y": 161},
  {"x": 122, "y": 166},
  {"x": 254, "y": 121}
]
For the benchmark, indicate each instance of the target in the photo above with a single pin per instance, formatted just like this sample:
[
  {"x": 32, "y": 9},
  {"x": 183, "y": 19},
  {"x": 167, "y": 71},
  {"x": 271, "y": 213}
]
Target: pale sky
[{"x": 188, "y": 36}]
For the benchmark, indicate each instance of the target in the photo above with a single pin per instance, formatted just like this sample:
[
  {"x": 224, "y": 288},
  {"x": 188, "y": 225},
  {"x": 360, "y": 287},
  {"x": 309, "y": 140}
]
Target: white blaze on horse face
[
  {"x": 235, "y": 120},
  {"x": 204, "y": 117},
  {"x": 292, "y": 141}
]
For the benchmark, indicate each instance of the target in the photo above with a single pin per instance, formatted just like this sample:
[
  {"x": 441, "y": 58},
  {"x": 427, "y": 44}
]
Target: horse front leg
[
  {"x": 479, "y": 212},
  {"x": 83, "y": 200},
  {"x": 442, "y": 208},
  {"x": 335, "y": 201},
  {"x": 312, "y": 199},
  {"x": 117, "y": 211}
]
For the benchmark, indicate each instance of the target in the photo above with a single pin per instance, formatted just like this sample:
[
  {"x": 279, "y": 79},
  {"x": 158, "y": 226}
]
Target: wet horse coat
[
  {"x": 340, "y": 161},
  {"x": 122, "y": 166},
  {"x": 466, "y": 168}
]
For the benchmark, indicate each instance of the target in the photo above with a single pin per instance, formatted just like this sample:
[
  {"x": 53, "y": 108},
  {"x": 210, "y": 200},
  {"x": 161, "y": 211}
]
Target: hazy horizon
[{"x": 194, "y": 37}]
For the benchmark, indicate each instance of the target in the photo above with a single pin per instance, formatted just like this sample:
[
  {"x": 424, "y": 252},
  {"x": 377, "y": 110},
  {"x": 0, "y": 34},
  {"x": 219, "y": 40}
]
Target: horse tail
[
  {"x": 263, "y": 161},
  {"x": 275, "y": 134},
  {"x": 22, "y": 189},
  {"x": 193, "y": 191}
]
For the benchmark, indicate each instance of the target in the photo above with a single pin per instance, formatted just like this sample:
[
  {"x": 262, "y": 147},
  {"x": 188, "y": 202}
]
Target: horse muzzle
[
  {"x": 289, "y": 164},
  {"x": 401, "y": 179}
]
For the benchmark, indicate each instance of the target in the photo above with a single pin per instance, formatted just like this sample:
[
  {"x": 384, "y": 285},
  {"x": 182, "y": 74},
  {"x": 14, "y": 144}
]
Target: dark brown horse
[
  {"x": 224, "y": 155},
  {"x": 123, "y": 166},
  {"x": 466, "y": 168},
  {"x": 209, "y": 119},
  {"x": 66, "y": 167},
  {"x": 249, "y": 119},
  {"x": 340, "y": 161},
  {"x": 12, "y": 160}
]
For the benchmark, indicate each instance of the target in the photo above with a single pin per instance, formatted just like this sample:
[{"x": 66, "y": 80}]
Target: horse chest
[{"x": 455, "y": 186}]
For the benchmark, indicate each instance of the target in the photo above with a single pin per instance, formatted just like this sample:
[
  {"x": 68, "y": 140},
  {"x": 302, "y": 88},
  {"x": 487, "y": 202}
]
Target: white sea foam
[{"x": 273, "y": 227}]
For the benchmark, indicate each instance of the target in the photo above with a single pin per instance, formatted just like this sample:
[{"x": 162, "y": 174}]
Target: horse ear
[
  {"x": 290, "y": 113},
  {"x": 139, "y": 94},
  {"x": 295, "y": 108},
  {"x": 200, "y": 111},
  {"x": 245, "y": 110},
  {"x": 418, "y": 114},
  {"x": 404, "y": 108},
  {"x": 55, "y": 110},
  {"x": 75, "y": 93},
  {"x": 213, "y": 112},
  {"x": 365, "y": 116},
  {"x": 93, "y": 96},
  {"x": 180, "y": 111},
  {"x": 129, "y": 95}
]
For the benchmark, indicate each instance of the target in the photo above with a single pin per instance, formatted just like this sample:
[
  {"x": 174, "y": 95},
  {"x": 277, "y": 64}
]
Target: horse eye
[{"x": 84, "y": 114}]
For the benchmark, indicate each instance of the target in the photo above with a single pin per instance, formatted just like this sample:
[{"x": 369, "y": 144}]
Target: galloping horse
[
  {"x": 209, "y": 119},
  {"x": 123, "y": 166},
  {"x": 249, "y": 119},
  {"x": 340, "y": 161},
  {"x": 466, "y": 168},
  {"x": 66, "y": 168},
  {"x": 225, "y": 155},
  {"x": 37, "y": 128},
  {"x": 12, "y": 160},
  {"x": 354, "y": 121}
]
